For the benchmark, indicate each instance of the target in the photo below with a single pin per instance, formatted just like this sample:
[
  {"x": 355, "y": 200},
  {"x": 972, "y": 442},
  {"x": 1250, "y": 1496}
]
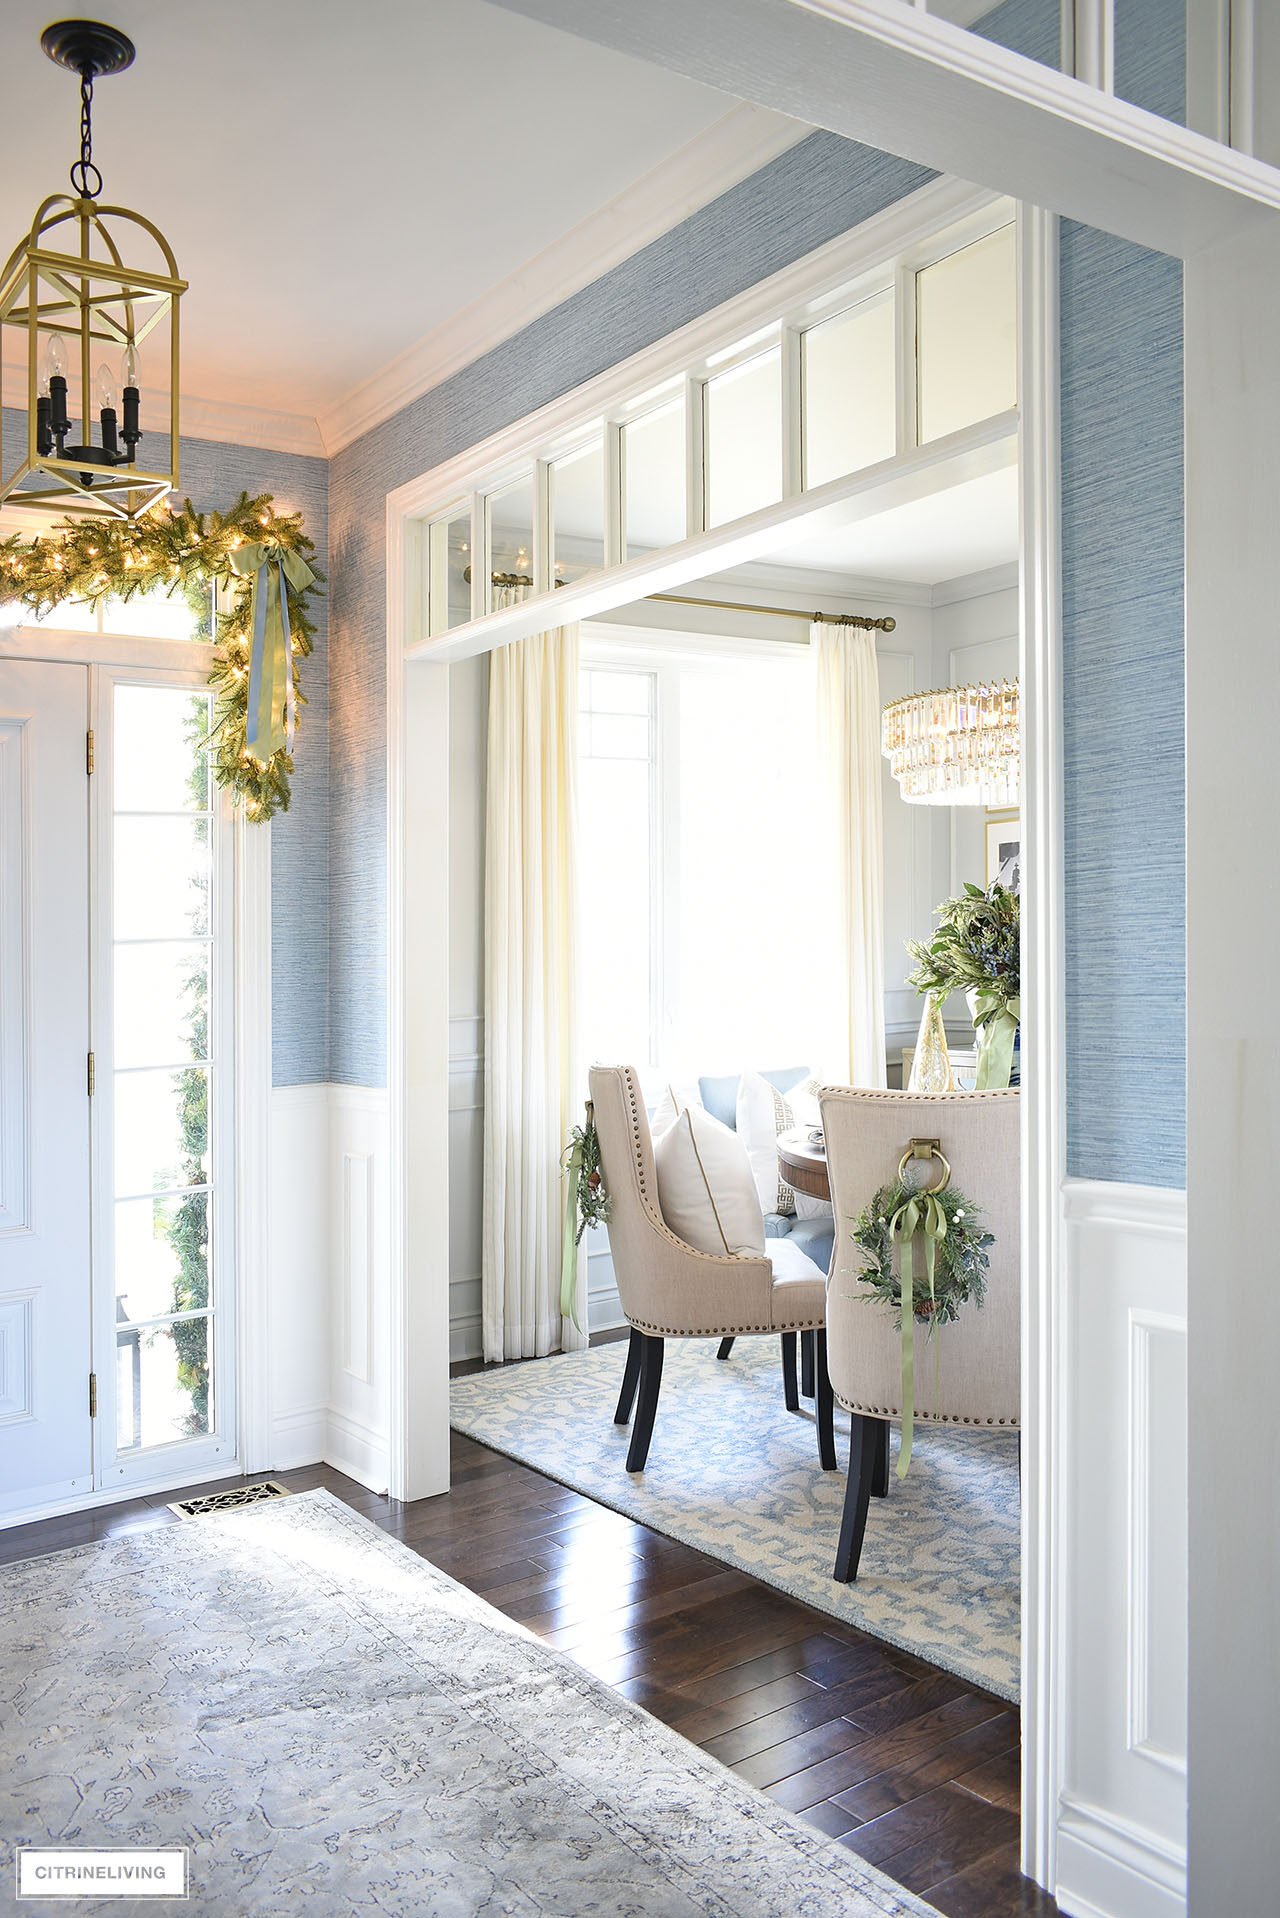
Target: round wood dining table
[{"x": 803, "y": 1164}]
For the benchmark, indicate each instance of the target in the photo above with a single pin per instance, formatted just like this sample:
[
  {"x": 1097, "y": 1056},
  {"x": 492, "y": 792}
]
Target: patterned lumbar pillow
[{"x": 763, "y": 1112}]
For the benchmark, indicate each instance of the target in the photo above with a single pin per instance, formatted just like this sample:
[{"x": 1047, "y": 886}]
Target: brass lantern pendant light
[{"x": 83, "y": 310}]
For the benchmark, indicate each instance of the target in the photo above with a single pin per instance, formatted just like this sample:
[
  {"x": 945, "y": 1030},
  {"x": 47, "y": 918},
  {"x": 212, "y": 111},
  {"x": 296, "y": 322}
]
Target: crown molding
[
  {"x": 737, "y": 145},
  {"x": 993, "y": 579},
  {"x": 235, "y": 425}
]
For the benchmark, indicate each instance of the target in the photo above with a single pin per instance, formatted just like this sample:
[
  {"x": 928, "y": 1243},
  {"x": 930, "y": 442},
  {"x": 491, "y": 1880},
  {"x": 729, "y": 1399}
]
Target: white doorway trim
[{"x": 418, "y": 838}]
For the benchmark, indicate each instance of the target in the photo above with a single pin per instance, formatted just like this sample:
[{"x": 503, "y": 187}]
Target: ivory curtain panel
[
  {"x": 848, "y": 695},
  {"x": 531, "y": 1077}
]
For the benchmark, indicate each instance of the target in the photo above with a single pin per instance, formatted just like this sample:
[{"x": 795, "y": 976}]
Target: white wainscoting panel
[
  {"x": 15, "y": 1119},
  {"x": 359, "y": 1397},
  {"x": 466, "y": 1183},
  {"x": 1122, "y": 1809},
  {"x": 298, "y": 1281}
]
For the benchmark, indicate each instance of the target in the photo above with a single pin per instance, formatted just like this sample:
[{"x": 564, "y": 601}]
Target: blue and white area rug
[
  {"x": 735, "y": 1474},
  {"x": 333, "y": 1727}
]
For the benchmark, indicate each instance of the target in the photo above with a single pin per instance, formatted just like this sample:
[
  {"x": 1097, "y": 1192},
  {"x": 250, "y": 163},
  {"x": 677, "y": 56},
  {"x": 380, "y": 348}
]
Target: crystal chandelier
[
  {"x": 81, "y": 310},
  {"x": 957, "y": 747}
]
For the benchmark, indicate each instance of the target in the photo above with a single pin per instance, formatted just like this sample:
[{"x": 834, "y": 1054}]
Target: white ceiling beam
[{"x": 905, "y": 81}]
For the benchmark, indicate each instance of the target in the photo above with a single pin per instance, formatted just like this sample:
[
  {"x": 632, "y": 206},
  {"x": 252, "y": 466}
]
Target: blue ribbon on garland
[{"x": 270, "y": 715}]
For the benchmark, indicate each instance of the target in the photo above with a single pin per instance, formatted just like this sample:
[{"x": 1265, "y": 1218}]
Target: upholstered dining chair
[
  {"x": 967, "y": 1372},
  {"x": 670, "y": 1289}
]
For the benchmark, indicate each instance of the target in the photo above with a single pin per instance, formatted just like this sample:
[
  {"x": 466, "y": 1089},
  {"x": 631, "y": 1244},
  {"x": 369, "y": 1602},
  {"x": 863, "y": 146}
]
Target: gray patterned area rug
[
  {"x": 333, "y": 1726},
  {"x": 735, "y": 1474}
]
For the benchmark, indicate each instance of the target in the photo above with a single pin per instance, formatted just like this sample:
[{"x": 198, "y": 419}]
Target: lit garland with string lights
[{"x": 177, "y": 550}]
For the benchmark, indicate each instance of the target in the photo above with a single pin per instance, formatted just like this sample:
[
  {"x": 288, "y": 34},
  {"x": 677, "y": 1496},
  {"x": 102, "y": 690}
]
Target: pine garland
[
  {"x": 581, "y": 1162},
  {"x": 177, "y": 550},
  {"x": 960, "y": 1259}
]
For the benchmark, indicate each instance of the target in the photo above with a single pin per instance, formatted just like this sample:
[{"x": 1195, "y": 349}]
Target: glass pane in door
[{"x": 165, "y": 966}]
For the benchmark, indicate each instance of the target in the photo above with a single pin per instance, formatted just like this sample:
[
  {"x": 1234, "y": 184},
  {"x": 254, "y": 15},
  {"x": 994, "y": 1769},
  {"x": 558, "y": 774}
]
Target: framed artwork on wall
[{"x": 1004, "y": 850}]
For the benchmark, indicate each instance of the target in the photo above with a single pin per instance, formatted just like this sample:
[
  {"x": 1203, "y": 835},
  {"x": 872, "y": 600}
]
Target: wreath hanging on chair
[
  {"x": 947, "y": 1229},
  {"x": 257, "y": 568}
]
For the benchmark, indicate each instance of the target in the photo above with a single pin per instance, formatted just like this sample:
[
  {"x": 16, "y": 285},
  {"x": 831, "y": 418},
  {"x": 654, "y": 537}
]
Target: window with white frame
[
  {"x": 915, "y": 356},
  {"x": 696, "y": 798}
]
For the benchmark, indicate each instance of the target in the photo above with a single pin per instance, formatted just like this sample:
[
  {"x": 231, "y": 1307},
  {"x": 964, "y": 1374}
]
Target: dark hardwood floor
[{"x": 908, "y": 1766}]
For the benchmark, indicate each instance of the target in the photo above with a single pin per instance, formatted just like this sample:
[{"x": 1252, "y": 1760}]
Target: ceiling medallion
[{"x": 81, "y": 310}]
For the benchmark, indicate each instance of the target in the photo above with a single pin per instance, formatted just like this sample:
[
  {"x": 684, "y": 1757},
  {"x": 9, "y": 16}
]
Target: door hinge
[
  {"x": 93, "y": 1395},
  {"x": 88, "y": 750},
  {"x": 93, "y": 1074}
]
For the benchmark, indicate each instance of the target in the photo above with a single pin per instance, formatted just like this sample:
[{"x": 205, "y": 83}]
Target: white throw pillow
[
  {"x": 675, "y": 1098},
  {"x": 705, "y": 1188}
]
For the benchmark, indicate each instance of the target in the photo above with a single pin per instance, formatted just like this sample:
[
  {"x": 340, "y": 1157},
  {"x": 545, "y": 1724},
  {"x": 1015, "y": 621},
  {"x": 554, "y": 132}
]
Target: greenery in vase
[{"x": 975, "y": 948}]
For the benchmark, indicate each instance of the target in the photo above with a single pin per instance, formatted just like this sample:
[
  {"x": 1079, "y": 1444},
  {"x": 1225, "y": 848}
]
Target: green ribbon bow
[
  {"x": 572, "y": 1163},
  {"x": 918, "y": 1212},
  {"x": 271, "y": 713},
  {"x": 997, "y": 1024}
]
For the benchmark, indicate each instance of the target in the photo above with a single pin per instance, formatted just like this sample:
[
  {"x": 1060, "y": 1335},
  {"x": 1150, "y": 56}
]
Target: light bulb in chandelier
[
  {"x": 106, "y": 394},
  {"x": 131, "y": 380},
  {"x": 55, "y": 361}
]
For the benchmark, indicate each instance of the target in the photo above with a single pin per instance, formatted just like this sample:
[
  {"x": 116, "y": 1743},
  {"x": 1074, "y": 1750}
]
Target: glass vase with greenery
[{"x": 976, "y": 951}]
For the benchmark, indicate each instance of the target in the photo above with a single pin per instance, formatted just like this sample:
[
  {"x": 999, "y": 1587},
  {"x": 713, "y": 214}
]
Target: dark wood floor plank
[
  {"x": 936, "y": 1763},
  {"x": 993, "y": 1888},
  {"x": 934, "y": 1837},
  {"x": 789, "y": 1720}
]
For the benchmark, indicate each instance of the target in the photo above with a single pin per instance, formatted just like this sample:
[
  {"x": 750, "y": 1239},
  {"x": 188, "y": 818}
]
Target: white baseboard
[
  {"x": 299, "y": 1438},
  {"x": 362, "y": 1454},
  {"x": 1114, "y": 1870}
]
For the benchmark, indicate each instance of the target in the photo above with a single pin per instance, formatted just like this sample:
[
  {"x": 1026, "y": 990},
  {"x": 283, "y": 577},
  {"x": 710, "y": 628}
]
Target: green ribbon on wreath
[
  {"x": 996, "y": 1020},
  {"x": 919, "y": 1213},
  {"x": 269, "y": 719},
  {"x": 572, "y": 1163}
]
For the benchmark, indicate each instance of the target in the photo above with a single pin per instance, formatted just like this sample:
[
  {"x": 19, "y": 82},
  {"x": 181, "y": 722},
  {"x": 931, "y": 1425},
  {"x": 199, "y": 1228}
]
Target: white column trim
[
  {"x": 251, "y": 946},
  {"x": 1044, "y": 1095}
]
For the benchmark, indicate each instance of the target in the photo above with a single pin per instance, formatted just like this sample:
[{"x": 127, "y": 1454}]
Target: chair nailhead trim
[
  {"x": 723, "y": 1331},
  {"x": 931, "y": 1418}
]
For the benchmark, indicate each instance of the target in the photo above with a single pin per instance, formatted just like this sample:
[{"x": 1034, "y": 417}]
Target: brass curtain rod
[{"x": 886, "y": 625}]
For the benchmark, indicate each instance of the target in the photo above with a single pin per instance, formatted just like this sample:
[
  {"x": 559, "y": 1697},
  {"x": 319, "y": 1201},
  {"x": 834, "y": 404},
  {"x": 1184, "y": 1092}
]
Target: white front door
[{"x": 46, "y": 1447}]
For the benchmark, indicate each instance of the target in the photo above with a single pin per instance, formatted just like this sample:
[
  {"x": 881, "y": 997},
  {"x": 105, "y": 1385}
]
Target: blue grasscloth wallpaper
[
  {"x": 806, "y": 197},
  {"x": 1123, "y": 671},
  {"x": 213, "y": 476}
]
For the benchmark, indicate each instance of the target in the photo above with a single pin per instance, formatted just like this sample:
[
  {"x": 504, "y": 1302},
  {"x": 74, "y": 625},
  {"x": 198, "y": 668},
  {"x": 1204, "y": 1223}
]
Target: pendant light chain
[{"x": 84, "y": 170}]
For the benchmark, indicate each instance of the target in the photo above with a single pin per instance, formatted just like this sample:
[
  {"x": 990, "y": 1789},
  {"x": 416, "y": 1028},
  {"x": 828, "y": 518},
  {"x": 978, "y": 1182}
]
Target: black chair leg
[
  {"x": 880, "y": 1458},
  {"x": 630, "y": 1378},
  {"x": 651, "y": 1350},
  {"x": 857, "y": 1497},
  {"x": 724, "y": 1348},
  {"x": 823, "y": 1403},
  {"x": 806, "y": 1364},
  {"x": 790, "y": 1393}
]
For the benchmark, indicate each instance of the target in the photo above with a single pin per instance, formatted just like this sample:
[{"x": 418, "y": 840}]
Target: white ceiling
[
  {"x": 963, "y": 529},
  {"x": 338, "y": 180}
]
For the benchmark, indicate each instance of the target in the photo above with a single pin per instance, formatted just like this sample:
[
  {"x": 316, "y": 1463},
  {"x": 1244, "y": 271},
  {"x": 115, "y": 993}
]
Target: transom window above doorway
[{"x": 911, "y": 355}]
